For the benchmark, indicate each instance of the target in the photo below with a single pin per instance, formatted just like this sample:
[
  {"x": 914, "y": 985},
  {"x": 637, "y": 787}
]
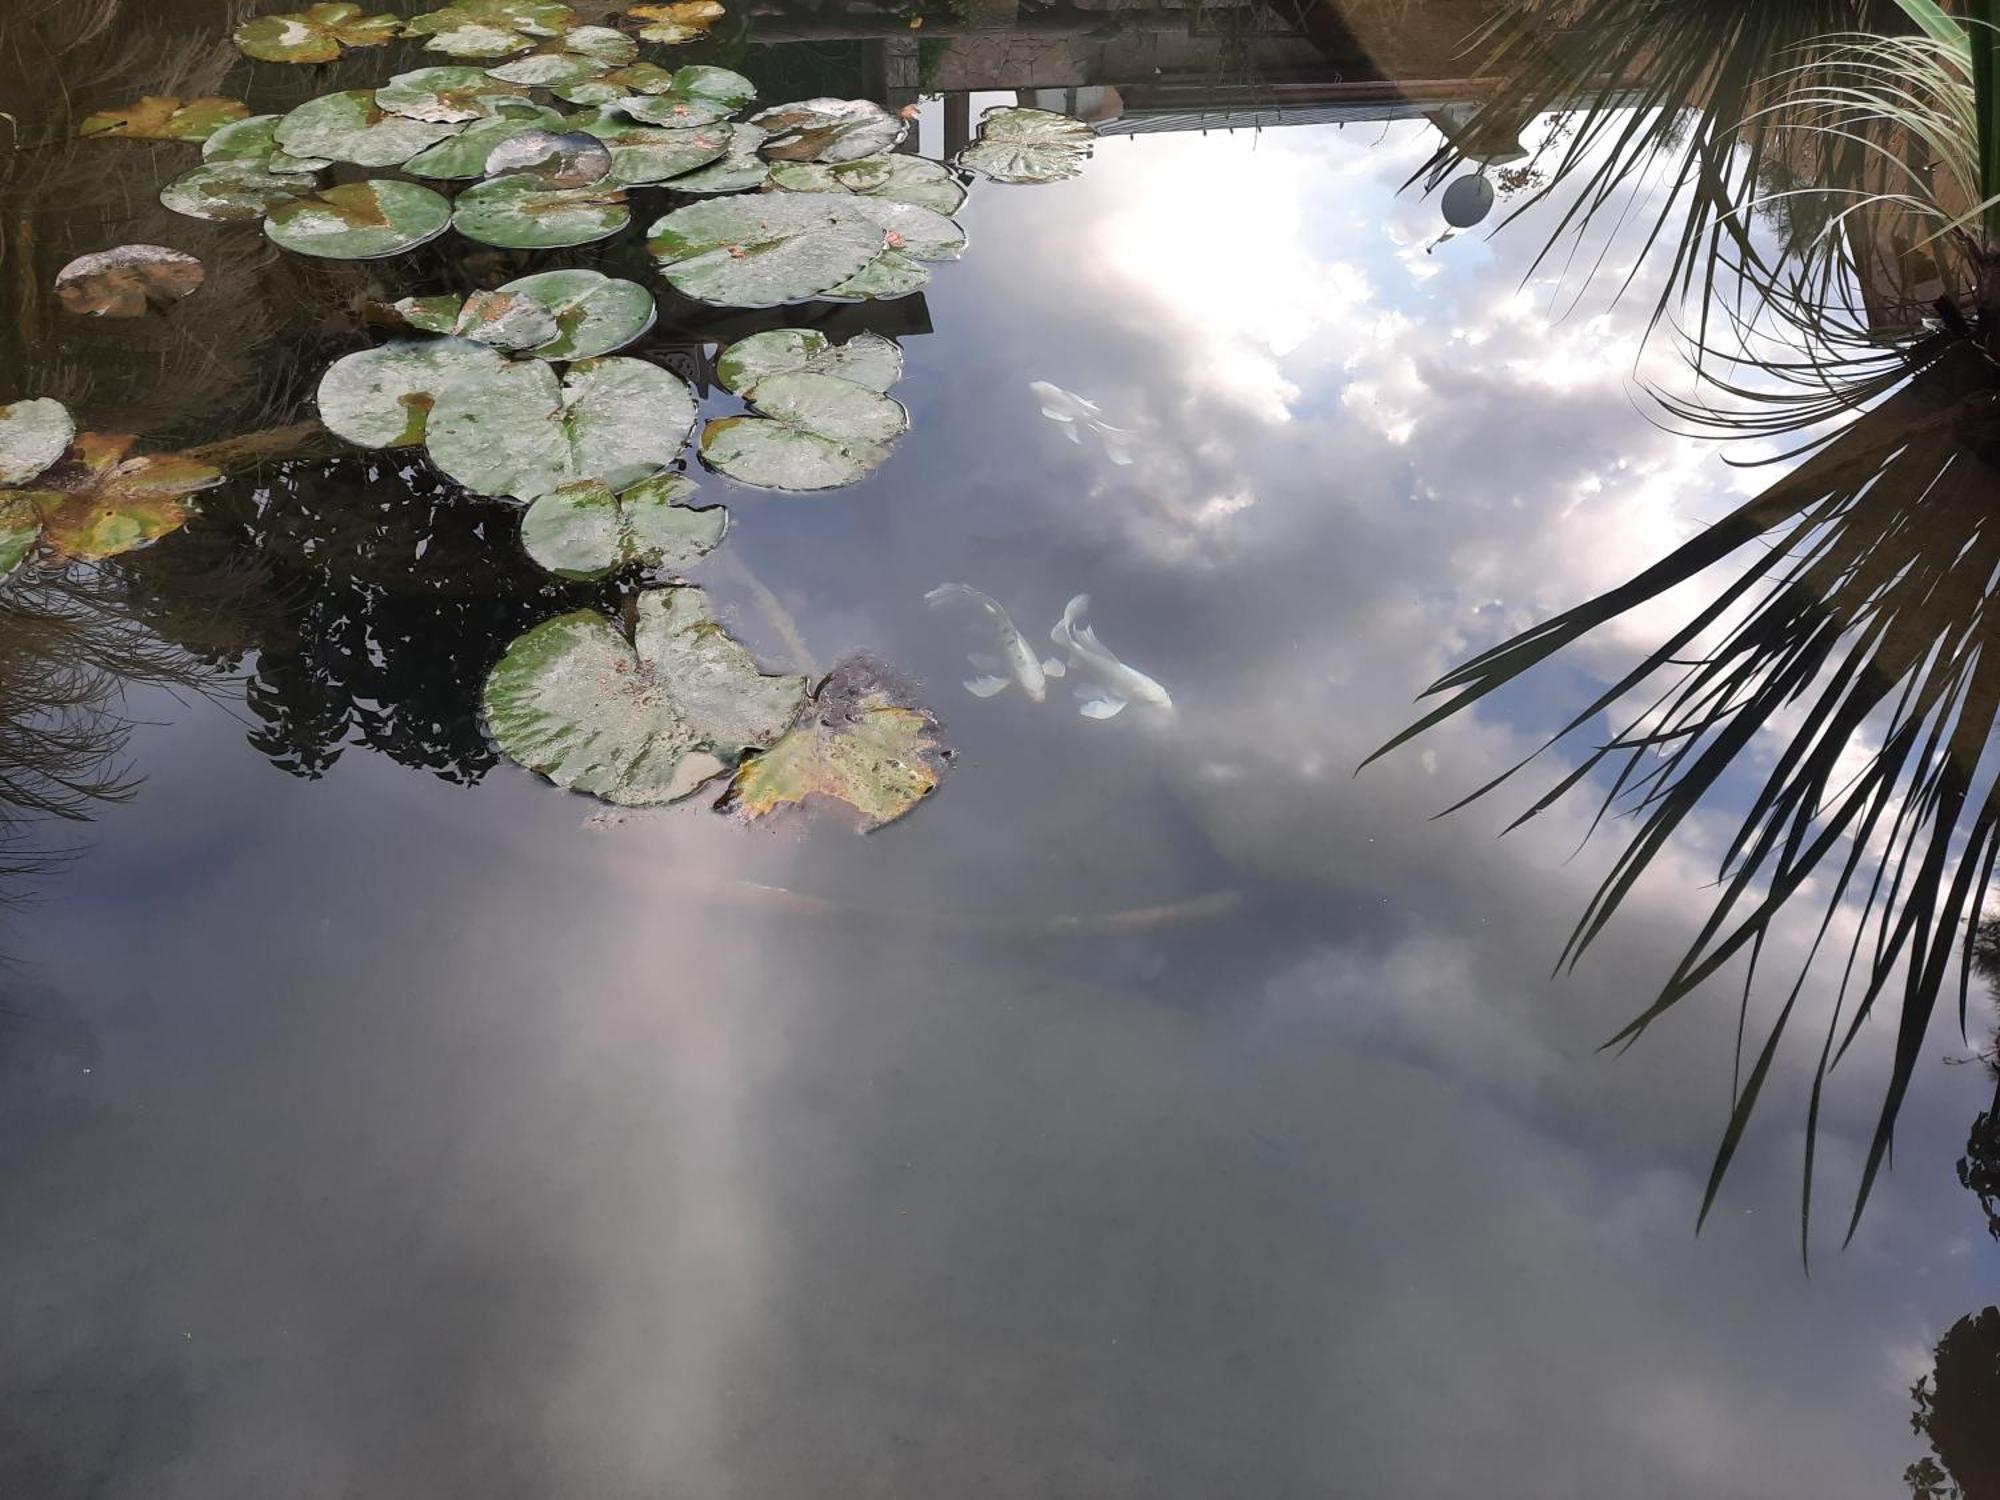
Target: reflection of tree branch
[
  {"x": 774, "y": 610},
  {"x": 294, "y": 440}
]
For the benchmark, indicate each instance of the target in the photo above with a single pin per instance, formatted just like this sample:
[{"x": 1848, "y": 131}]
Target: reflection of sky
[{"x": 440, "y": 1142}]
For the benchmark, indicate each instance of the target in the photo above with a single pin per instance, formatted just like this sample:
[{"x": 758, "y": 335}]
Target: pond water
[{"x": 1160, "y": 1109}]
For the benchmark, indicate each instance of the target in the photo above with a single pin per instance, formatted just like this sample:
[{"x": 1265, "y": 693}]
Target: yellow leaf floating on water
[
  {"x": 159, "y": 117},
  {"x": 855, "y": 743},
  {"x": 675, "y": 24},
  {"x": 97, "y": 502}
]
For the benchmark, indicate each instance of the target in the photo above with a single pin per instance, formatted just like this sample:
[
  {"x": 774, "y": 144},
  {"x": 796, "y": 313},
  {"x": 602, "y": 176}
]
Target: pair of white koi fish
[{"x": 1105, "y": 684}]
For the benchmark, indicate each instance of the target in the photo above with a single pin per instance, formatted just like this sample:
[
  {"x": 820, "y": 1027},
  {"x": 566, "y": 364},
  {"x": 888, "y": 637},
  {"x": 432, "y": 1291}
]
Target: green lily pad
[
  {"x": 915, "y": 231},
  {"x": 234, "y": 192},
  {"x": 519, "y": 213},
  {"x": 20, "y": 529},
  {"x": 866, "y": 359},
  {"x": 437, "y": 314},
  {"x": 317, "y": 34},
  {"x": 676, "y": 24},
  {"x": 33, "y": 435},
  {"x": 129, "y": 281},
  {"x": 465, "y": 155},
  {"x": 641, "y": 721},
  {"x": 360, "y": 220},
  {"x": 158, "y": 118},
  {"x": 550, "y": 159},
  {"x": 763, "y": 250},
  {"x": 829, "y": 130},
  {"x": 490, "y": 29},
  {"x": 737, "y": 171},
  {"x": 255, "y": 140},
  {"x": 594, "y": 313},
  {"x": 642, "y": 154},
  {"x": 583, "y": 530},
  {"x": 619, "y": 83},
  {"x": 448, "y": 96},
  {"x": 1028, "y": 145},
  {"x": 98, "y": 503},
  {"x": 520, "y": 431},
  {"x": 892, "y": 274},
  {"x": 811, "y": 432},
  {"x": 694, "y": 96},
  {"x": 899, "y": 177},
  {"x": 858, "y": 742},
  {"x": 584, "y": 53},
  {"x": 350, "y": 126},
  {"x": 383, "y": 397},
  {"x": 509, "y": 321}
]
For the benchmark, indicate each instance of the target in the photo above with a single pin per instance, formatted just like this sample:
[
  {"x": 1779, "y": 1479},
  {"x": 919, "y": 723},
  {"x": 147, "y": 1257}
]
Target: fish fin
[
  {"x": 1071, "y": 430},
  {"x": 945, "y": 591},
  {"x": 1117, "y": 449},
  {"x": 985, "y": 687},
  {"x": 1088, "y": 634},
  {"x": 1053, "y": 667},
  {"x": 1098, "y": 703},
  {"x": 985, "y": 661}
]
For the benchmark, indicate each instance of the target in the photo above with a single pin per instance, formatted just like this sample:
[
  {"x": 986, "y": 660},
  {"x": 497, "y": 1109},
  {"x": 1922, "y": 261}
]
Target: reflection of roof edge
[{"x": 1140, "y": 122}]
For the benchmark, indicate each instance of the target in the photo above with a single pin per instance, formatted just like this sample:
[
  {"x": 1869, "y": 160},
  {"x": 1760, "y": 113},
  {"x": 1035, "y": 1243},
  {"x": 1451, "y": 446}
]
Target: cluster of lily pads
[{"x": 542, "y": 128}]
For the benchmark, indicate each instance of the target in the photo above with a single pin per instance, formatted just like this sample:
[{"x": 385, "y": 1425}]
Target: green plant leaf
[
  {"x": 810, "y": 432},
  {"x": 20, "y": 529},
  {"x": 490, "y": 29},
  {"x": 383, "y": 397},
  {"x": 890, "y": 275},
  {"x": 349, "y": 126},
  {"x": 643, "y": 154},
  {"x": 450, "y": 95},
  {"x": 519, "y": 213},
  {"x": 583, "y": 530},
  {"x": 317, "y": 34},
  {"x": 829, "y": 130},
  {"x": 693, "y": 96},
  {"x": 858, "y": 741},
  {"x": 33, "y": 435},
  {"x": 899, "y": 177},
  {"x": 576, "y": 56},
  {"x": 594, "y": 313},
  {"x": 503, "y": 320},
  {"x": 866, "y": 359},
  {"x": 738, "y": 171},
  {"x": 465, "y": 155},
  {"x": 255, "y": 140},
  {"x": 569, "y": 159},
  {"x": 763, "y": 250},
  {"x": 619, "y": 83},
  {"x": 129, "y": 281},
  {"x": 913, "y": 230},
  {"x": 1028, "y": 146},
  {"x": 359, "y": 220},
  {"x": 637, "y": 721},
  {"x": 234, "y": 192},
  {"x": 519, "y": 431}
]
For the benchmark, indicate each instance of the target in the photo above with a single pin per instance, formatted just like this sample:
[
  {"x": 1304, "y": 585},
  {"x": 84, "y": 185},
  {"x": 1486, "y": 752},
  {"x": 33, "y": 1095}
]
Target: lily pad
[
  {"x": 383, "y": 397},
  {"x": 676, "y": 24},
  {"x": 892, "y": 274},
  {"x": 33, "y": 435},
  {"x": 234, "y": 192},
  {"x": 317, "y": 34},
  {"x": 448, "y": 96},
  {"x": 98, "y": 503},
  {"x": 350, "y": 126},
  {"x": 508, "y": 321},
  {"x": 695, "y": 96},
  {"x": 520, "y": 431},
  {"x": 594, "y": 313},
  {"x": 641, "y": 721},
  {"x": 857, "y": 742},
  {"x": 360, "y": 220},
  {"x": 572, "y": 159},
  {"x": 159, "y": 118},
  {"x": 619, "y": 83},
  {"x": 915, "y": 231},
  {"x": 900, "y": 177},
  {"x": 763, "y": 250},
  {"x": 255, "y": 140},
  {"x": 811, "y": 432},
  {"x": 583, "y": 530},
  {"x": 437, "y": 314},
  {"x": 1028, "y": 145},
  {"x": 643, "y": 154},
  {"x": 575, "y": 56},
  {"x": 466, "y": 154},
  {"x": 128, "y": 282},
  {"x": 829, "y": 130},
  {"x": 866, "y": 359},
  {"x": 519, "y": 213},
  {"x": 737, "y": 171},
  {"x": 20, "y": 529},
  {"x": 490, "y": 29}
]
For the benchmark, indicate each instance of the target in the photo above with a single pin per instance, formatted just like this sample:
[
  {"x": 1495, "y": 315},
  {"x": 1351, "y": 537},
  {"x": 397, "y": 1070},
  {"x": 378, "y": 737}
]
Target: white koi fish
[
  {"x": 1075, "y": 414},
  {"x": 1016, "y": 665},
  {"x": 1112, "y": 684}
]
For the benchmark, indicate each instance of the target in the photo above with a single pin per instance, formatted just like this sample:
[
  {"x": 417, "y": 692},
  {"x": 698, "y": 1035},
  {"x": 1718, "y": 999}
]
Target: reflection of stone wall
[{"x": 1011, "y": 60}]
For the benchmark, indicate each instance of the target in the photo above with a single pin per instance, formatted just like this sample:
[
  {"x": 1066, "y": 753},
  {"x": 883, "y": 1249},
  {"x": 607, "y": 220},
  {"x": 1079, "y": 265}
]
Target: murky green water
[{"x": 1158, "y": 1110}]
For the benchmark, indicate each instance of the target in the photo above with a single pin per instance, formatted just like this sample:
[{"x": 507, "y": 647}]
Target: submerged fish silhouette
[
  {"x": 1111, "y": 683},
  {"x": 1016, "y": 665},
  {"x": 1075, "y": 413}
]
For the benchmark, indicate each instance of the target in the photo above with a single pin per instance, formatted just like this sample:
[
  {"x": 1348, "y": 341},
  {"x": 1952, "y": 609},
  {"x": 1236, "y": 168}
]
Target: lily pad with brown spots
[
  {"x": 676, "y": 24},
  {"x": 317, "y": 34},
  {"x": 489, "y": 30},
  {"x": 519, "y": 213},
  {"x": 164, "y": 118},
  {"x": 829, "y": 130},
  {"x": 360, "y": 220}
]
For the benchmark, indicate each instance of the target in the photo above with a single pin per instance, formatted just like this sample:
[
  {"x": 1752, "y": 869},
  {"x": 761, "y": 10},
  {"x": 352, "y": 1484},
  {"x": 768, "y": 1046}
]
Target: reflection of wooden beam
[{"x": 957, "y": 123}]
